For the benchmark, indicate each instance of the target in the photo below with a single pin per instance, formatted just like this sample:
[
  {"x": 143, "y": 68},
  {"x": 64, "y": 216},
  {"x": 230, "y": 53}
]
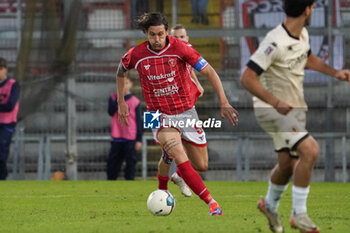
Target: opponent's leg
[
  {"x": 278, "y": 183},
  {"x": 170, "y": 140},
  {"x": 308, "y": 151}
]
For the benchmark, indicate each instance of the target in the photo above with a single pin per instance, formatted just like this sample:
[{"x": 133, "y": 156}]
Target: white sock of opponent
[
  {"x": 299, "y": 199},
  {"x": 273, "y": 196}
]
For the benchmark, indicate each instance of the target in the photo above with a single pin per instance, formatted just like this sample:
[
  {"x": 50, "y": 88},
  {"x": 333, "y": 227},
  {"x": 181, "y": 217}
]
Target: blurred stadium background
[{"x": 64, "y": 54}]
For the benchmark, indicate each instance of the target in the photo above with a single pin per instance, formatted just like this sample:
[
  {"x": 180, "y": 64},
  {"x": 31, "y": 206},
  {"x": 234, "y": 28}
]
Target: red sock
[
  {"x": 179, "y": 172},
  {"x": 194, "y": 181},
  {"x": 162, "y": 182}
]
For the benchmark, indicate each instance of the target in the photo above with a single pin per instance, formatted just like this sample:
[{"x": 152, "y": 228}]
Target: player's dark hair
[
  {"x": 177, "y": 27},
  {"x": 294, "y": 8},
  {"x": 3, "y": 63},
  {"x": 151, "y": 19}
]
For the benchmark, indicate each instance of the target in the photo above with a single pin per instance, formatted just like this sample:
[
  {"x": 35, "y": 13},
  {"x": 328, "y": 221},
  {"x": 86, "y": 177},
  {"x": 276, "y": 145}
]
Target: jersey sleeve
[
  {"x": 192, "y": 57},
  {"x": 127, "y": 60},
  {"x": 264, "y": 56}
]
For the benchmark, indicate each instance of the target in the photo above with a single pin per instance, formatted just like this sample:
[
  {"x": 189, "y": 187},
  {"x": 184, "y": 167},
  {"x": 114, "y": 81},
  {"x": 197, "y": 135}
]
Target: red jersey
[{"x": 165, "y": 79}]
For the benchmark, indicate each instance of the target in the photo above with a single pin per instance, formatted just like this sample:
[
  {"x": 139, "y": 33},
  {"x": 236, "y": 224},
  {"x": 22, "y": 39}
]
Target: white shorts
[
  {"x": 287, "y": 131},
  {"x": 189, "y": 133}
]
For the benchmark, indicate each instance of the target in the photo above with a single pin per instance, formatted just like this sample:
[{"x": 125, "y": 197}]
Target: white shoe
[
  {"x": 176, "y": 179},
  {"x": 273, "y": 218},
  {"x": 303, "y": 223}
]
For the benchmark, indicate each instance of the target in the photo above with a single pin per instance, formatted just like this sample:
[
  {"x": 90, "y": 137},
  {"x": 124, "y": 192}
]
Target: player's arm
[
  {"x": 226, "y": 110},
  {"x": 123, "y": 109},
  {"x": 199, "y": 86},
  {"x": 250, "y": 81},
  {"x": 314, "y": 63}
]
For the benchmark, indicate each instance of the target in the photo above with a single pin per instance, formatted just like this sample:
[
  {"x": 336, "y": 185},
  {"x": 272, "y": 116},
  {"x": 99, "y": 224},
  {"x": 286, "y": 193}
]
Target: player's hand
[
  {"x": 283, "y": 107},
  {"x": 123, "y": 113},
  {"x": 201, "y": 90},
  {"x": 343, "y": 75},
  {"x": 138, "y": 146},
  {"x": 227, "y": 111}
]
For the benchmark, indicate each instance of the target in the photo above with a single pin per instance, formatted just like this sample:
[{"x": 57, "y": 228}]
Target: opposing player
[
  {"x": 274, "y": 75},
  {"x": 167, "y": 88}
]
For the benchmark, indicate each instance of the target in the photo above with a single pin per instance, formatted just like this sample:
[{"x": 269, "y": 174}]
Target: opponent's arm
[
  {"x": 250, "y": 81},
  {"x": 314, "y": 63},
  {"x": 123, "y": 109},
  {"x": 226, "y": 110}
]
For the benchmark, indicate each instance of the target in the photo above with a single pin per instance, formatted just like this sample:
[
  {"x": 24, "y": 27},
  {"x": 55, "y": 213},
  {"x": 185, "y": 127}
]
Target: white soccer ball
[{"x": 161, "y": 202}]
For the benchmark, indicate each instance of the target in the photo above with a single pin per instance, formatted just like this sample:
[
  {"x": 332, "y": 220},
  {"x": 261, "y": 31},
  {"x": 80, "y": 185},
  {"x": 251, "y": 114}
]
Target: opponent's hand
[
  {"x": 227, "y": 111},
  {"x": 283, "y": 107},
  {"x": 343, "y": 75},
  {"x": 123, "y": 113}
]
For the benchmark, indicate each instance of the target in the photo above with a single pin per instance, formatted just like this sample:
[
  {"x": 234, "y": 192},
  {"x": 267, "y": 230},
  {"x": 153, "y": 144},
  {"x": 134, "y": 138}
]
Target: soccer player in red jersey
[
  {"x": 167, "y": 87},
  {"x": 198, "y": 160}
]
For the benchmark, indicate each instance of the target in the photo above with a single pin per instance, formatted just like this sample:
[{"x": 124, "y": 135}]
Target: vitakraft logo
[{"x": 151, "y": 120}]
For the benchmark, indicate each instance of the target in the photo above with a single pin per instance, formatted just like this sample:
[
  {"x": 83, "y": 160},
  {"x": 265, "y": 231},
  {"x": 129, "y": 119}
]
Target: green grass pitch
[{"x": 120, "y": 206}]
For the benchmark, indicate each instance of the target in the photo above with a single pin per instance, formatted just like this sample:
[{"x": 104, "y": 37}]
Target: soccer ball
[{"x": 161, "y": 202}]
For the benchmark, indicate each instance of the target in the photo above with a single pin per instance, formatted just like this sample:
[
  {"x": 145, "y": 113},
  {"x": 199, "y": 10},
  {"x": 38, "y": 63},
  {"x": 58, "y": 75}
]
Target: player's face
[
  {"x": 157, "y": 36},
  {"x": 308, "y": 18},
  {"x": 3, "y": 73},
  {"x": 181, "y": 34}
]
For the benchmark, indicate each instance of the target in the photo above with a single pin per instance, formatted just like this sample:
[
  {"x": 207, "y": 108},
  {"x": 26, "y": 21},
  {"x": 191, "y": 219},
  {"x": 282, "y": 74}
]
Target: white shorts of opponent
[{"x": 287, "y": 131}]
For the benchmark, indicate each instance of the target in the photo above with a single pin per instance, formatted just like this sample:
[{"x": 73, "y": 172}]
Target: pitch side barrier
[
  {"x": 242, "y": 151},
  {"x": 243, "y": 148}
]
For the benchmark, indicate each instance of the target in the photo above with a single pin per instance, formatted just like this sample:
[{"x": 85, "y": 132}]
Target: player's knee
[
  {"x": 312, "y": 152},
  {"x": 176, "y": 151},
  {"x": 315, "y": 152},
  {"x": 203, "y": 169}
]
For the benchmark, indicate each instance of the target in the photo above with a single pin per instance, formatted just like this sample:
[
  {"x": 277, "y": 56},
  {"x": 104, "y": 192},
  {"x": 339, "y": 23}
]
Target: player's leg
[
  {"x": 277, "y": 126},
  {"x": 278, "y": 183},
  {"x": 308, "y": 151},
  {"x": 163, "y": 170},
  {"x": 164, "y": 166},
  {"x": 114, "y": 160},
  {"x": 170, "y": 140},
  {"x": 198, "y": 155},
  {"x": 194, "y": 141},
  {"x": 279, "y": 179},
  {"x": 130, "y": 160}
]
